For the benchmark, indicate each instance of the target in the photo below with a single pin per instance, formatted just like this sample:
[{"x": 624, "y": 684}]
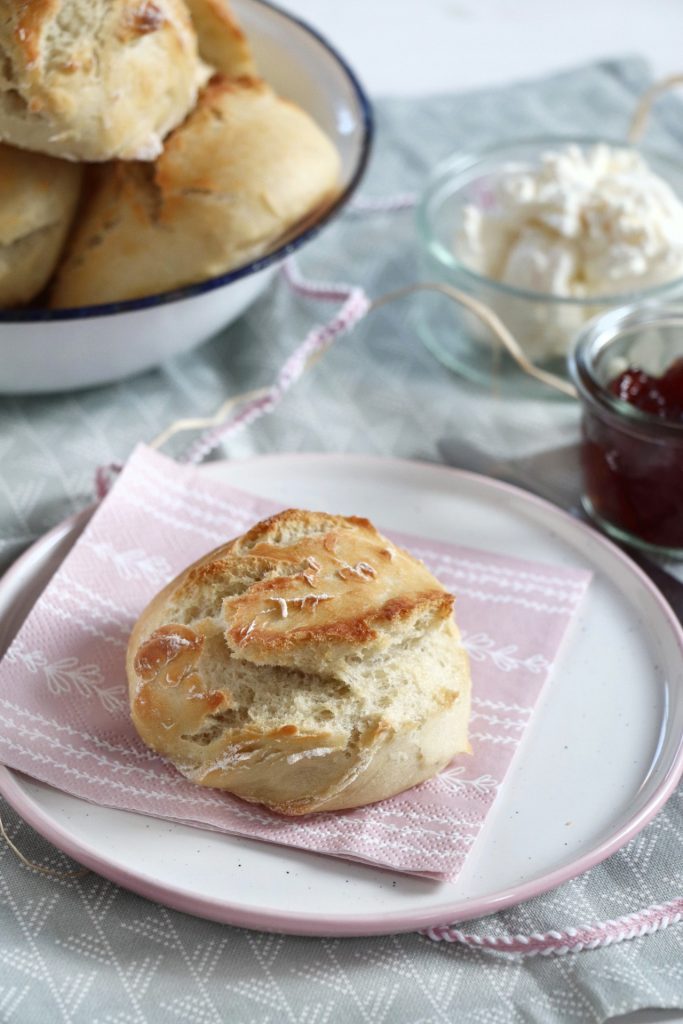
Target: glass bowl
[
  {"x": 539, "y": 321},
  {"x": 632, "y": 461}
]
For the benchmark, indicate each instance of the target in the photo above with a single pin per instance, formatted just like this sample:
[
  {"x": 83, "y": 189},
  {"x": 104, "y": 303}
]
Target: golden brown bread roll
[
  {"x": 222, "y": 43},
  {"x": 238, "y": 175},
  {"x": 95, "y": 79},
  {"x": 38, "y": 198},
  {"x": 307, "y": 665}
]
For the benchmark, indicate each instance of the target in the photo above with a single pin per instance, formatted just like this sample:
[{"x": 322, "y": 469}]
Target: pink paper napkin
[{"x": 63, "y": 694}]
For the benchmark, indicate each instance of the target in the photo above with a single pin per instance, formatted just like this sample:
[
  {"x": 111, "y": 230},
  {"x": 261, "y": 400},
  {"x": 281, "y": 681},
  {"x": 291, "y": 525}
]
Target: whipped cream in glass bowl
[{"x": 548, "y": 233}]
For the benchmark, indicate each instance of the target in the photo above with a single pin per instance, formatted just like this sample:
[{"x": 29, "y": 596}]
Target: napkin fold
[{"x": 63, "y": 692}]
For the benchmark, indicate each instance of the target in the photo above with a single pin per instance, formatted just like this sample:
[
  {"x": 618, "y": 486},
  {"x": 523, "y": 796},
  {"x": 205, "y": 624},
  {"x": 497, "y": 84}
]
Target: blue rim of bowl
[
  {"x": 276, "y": 256},
  {"x": 458, "y": 163}
]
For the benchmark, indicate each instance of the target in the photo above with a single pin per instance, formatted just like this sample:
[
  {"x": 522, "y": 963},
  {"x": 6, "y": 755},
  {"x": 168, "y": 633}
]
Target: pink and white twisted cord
[
  {"x": 104, "y": 478},
  {"x": 355, "y": 304},
  {"x": 571, "y": 940},
  {"x": 383, "y": 204}
]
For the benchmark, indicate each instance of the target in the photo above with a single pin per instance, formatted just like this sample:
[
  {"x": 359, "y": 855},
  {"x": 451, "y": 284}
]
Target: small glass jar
[{"x": 632, "y": 460}]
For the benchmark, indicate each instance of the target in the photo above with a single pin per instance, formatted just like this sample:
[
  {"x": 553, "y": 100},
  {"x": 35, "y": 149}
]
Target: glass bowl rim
[
  {"x": 456, "y": 164},
  {"x": 601, "y": 331}
]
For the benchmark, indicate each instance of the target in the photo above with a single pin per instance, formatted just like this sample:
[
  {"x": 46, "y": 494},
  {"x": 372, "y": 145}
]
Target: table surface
[{"x": 409, "y": 48}]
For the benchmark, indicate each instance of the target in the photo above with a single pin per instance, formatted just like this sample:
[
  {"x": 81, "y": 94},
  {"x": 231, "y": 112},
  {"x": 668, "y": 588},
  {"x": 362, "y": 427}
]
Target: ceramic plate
[{"x": 602, "y": 754}]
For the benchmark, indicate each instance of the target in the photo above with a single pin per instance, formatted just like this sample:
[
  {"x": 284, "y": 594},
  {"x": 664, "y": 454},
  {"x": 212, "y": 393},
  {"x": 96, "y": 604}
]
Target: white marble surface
[{"x": 411, "y": 47}]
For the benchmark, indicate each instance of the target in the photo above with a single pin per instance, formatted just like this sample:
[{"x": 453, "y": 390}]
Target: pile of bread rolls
[{"x": 140, "y": 151}]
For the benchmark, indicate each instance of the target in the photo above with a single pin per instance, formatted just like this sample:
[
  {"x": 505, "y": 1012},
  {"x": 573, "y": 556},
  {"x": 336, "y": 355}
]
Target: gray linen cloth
[{"x": 86, "y": 951}]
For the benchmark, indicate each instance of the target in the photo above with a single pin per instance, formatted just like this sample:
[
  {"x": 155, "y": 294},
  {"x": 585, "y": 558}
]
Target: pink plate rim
[{"x": 294, "y": 922}]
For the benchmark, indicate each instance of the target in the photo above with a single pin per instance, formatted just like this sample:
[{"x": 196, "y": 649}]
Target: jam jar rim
[{"x": 595, "y": 336}]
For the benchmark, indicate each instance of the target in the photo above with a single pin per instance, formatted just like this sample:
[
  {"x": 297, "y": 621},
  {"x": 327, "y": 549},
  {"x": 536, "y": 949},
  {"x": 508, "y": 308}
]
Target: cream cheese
[{"x": 582, "y": 223}]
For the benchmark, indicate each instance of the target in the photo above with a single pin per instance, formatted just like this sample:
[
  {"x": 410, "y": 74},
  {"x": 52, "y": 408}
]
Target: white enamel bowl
[{"x": 46, "y": 350}]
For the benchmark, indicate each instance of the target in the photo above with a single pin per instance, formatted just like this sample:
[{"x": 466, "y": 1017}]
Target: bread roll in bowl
[
  {"x": 95, "y": 79},
  {"x": 242, "y": 171},
  {"x": 38, "y": 199},
  {"x": 222, "y": 43},
  {"x": 308, "y": 665}
]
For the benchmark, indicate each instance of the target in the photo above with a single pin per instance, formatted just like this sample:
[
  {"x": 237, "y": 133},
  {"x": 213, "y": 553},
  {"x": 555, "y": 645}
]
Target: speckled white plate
[{"x": 603, "y": 752}]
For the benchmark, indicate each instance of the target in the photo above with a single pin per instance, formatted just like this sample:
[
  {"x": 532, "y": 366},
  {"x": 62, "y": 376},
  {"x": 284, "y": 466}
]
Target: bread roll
[
  {"x": 309, "y": 665},
  {"x": 222, "y": 43},
  {"x": 95, "y": 79},
  {"x": 38, "y": 197},
  {"x": 240, "y": 173}
]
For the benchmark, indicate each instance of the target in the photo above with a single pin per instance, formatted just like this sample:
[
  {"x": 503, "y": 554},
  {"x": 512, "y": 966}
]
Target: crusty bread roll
[
  {"x": 308, "y": 665},
  {"x": 222, "y": 43},
  {"x": 38, "y": 197},
  {"x": 243, "y": 170},
  {"x": 95, "y": 79}
]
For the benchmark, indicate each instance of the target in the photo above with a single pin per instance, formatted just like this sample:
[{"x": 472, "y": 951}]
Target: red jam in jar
[
  {"x": 658, "y": 396},
  {"x": 633, "y": 462}
]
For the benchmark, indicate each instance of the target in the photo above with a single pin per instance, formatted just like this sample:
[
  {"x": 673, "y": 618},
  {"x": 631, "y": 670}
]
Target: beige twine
[
  {"x": 51, "y": 872},
  {"x": 203, "y": 423},
  {"x": 493, "y": 322},
  {"x": 480, "y": 309},
  {"x": 645, "y": 104}
]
